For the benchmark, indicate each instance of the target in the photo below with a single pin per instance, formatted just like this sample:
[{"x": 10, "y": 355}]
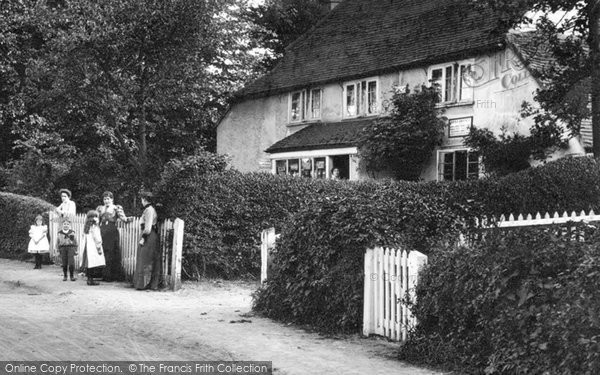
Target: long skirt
[
  {"x": 147, "y": 264},
  {"x": 113, "y": 271}
]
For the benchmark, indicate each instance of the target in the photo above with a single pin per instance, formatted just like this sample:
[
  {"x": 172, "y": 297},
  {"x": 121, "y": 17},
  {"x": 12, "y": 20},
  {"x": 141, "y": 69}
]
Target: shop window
[
  {"x": 305, "y": 105},
  {"x": 458, "y": 165},
  {"x": 360, "y": 98},
  {"x": 314, "y": 167}
]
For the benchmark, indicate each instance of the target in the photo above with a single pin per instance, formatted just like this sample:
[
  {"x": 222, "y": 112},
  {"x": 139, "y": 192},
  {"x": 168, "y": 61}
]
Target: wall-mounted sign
[{"x": 459, "y": 127}]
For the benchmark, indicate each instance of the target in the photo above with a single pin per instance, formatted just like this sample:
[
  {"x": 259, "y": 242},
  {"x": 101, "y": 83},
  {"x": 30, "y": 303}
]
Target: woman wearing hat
[
  {"x": 67, "y": 207},
  {"x": 147, "y": 263},
  {"x": 109, "y": 215}
]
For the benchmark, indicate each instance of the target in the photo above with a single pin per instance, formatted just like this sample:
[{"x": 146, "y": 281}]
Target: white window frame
[
  {"x": 361, "y": 99},
  {"x": 305, "y": 105},
  {"x": 453, "y": 89},
  {"x": 440, "y": 163}
]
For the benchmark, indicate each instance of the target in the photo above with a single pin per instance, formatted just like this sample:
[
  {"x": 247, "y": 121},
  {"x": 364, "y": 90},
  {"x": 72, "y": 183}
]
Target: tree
[
  {"x": 136, "y": 82},
  {"x": 280, "y": 22},
  {"x": 403, "y": 142},
  {"x": 574, "y": 41}
]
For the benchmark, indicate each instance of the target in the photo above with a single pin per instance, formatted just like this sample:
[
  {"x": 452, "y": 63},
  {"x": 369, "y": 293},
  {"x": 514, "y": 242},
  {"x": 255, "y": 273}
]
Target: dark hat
[
  {"x": 147, "y": 195},
  {"x": 66, "y": 191}
]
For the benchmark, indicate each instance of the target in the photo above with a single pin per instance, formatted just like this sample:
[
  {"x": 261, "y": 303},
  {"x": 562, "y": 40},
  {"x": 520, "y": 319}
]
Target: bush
[
  {"x": 317, "y": 275},
  {"x": 225, "y": 212},
  {"x": 17, "y": 215},
  {"x": 519, "y": 302},
  {"x": 566, "y": 184}
]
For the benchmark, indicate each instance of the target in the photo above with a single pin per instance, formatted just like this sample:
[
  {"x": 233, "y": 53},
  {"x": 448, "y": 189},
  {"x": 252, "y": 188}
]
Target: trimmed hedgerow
[
  {"x": 224, "y": 214},
  {"x": 317, "y": 274},
  {"x": 519, "y": 302},
  {"x": 565, "y": 184},
  {"x": 17, "y": 214}
]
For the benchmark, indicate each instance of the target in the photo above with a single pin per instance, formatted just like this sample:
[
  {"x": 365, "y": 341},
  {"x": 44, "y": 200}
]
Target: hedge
[
  {"x": 566, "y": 184},
  {"x": 225, "y": 212},
  {"x": 519, "y": 302},
  {"x": 317, "y": 274},
  {"x": 17, "y": 214}
]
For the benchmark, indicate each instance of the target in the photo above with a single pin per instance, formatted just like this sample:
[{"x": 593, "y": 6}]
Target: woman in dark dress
[
  {"x": 148, "y": 257},
  {"x": 109, "y": 215}
]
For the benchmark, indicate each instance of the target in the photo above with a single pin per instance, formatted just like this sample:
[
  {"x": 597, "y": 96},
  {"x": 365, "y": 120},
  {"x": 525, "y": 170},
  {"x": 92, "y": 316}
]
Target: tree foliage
[
  {"x": 280, "y": 22},
  {"x": 573, "y": 41},
  {"x": 134, "y": 82},
  {"x": 403, "y": 142}
]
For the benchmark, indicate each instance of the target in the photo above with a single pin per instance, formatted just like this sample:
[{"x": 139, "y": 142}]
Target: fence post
[
  {"x": 267, "y": 241},
  {"x": 368, "y": 321},
  {"x": 177, "y": 254}
]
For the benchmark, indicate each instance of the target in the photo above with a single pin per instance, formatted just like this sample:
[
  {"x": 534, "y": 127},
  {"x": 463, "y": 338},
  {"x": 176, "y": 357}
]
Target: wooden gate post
[
  {"x": 369, "y": 282},
  {"x": 177, "y": 254}
]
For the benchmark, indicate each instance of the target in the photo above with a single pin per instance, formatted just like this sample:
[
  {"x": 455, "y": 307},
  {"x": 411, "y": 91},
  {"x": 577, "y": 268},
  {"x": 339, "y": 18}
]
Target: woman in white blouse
[{"x": 67, "y": 207}]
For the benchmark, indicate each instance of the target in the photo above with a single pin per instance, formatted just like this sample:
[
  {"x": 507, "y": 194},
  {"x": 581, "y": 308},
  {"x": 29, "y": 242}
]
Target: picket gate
[
  {"x": 171, "y": 244},
  {"x": 390, "y": 278}
]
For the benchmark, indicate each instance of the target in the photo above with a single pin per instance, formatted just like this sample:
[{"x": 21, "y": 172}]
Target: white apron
[{"x": 91, "y": 242}]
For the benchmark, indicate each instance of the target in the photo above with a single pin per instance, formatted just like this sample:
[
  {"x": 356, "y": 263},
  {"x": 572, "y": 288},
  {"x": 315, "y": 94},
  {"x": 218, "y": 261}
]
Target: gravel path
[{"x": 44, "y": 318}]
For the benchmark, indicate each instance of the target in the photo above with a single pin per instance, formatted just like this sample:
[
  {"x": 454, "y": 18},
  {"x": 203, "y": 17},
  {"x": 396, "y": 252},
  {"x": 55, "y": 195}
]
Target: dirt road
[{"x": 44, "y": 318}]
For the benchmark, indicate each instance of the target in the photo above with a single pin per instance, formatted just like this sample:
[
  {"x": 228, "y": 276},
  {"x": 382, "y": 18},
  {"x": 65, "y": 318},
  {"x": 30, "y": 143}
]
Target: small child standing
[
  {"x": 38, "y": 244},
  {"x": 66, "y": 242}
]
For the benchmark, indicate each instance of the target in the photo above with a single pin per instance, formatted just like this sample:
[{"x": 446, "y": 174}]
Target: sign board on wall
[{"x": 459, "y": 127}]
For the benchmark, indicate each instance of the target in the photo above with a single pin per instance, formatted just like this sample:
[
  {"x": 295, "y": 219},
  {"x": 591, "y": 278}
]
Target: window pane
[
  {"x": 449, "y": 87},
  {"x": 372, "y": 97},
  {"x": 460, "y": 165},
  {"x": 294, "y": 167},
  {"x": 280, "y": 167},
  {"x": 473, "y": 166},
  {"x": 320, "y": 171},
  {"x": 436, "y": 80},
  {"x": 465, "y": 83},
  {"x": 351, "y": 100},
  {"x": 447, "y": 167},
  {"x": 296, "y": 106},
  {"x": 306, "y": 167},
  {"x": 316, "y": 104},
  {"x": 362, "y": 107}
]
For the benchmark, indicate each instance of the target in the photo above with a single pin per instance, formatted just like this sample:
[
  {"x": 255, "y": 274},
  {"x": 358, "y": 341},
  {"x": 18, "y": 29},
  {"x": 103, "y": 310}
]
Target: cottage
[{"x": 303, "y": 117}]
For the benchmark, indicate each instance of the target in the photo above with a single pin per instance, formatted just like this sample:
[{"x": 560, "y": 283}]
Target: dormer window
[
  {"x": 452, "y": 81},
  {"x": 361, "y": 98},
  {"x": 305, "y": 105}
]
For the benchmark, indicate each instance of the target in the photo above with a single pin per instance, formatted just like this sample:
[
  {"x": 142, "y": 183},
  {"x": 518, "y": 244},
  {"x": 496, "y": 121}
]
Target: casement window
[
  {"x": 452, "y": 81},
  {"x": 457, "y": 165},
  {"x": 305, "y": 105},
  {"x": 361, "y": 98}
]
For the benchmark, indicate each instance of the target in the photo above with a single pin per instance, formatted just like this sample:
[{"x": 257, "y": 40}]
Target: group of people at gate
[{"x": 99, "y": 244}]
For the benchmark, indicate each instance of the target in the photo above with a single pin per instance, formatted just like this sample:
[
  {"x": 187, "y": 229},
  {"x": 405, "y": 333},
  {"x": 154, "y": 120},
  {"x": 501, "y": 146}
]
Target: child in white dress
[{"x": 38, "y": 244}]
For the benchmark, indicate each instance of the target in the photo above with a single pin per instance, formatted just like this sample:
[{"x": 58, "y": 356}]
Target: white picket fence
[
  {"x": 267, "y": 239},
  {"x": 547, "y": 219},
  {"x": 171, "y": 243},
  {"x": 390, "y": 278}
]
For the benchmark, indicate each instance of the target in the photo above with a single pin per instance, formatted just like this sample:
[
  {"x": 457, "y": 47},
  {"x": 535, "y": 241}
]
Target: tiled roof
[
  {"x": 322, "y": 136},
  {"x": 367, "y": 37}
]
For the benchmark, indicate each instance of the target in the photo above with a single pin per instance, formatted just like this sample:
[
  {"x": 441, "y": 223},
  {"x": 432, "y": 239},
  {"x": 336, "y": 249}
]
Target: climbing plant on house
[{"x": 400, "y": 144}]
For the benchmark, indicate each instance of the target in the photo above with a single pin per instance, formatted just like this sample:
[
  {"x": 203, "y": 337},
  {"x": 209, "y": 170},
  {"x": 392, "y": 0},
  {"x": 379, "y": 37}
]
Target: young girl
[
  {"x": 66, "y": 242},
  {"x": 93, "y": 256},
  {"x": 38, "y": 244}
]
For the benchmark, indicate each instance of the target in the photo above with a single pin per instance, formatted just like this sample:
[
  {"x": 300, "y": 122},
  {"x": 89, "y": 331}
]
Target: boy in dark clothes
[{"x": 66, "y": 243}]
